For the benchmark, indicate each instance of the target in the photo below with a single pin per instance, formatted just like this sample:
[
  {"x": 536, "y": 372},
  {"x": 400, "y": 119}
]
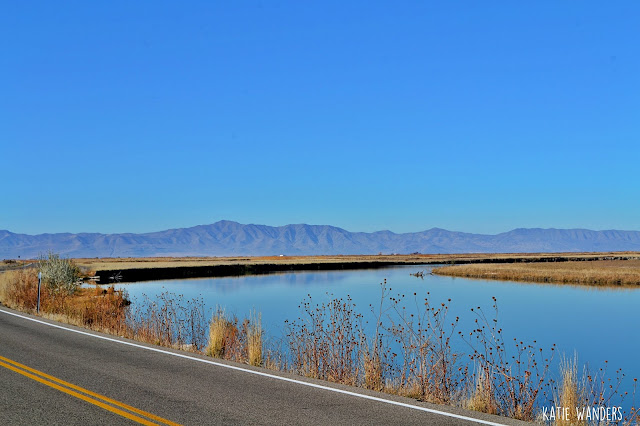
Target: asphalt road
[{"x": 51, "y": 375}]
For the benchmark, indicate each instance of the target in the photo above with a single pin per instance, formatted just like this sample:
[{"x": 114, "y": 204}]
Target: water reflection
[{"x": 598, "y": 323}]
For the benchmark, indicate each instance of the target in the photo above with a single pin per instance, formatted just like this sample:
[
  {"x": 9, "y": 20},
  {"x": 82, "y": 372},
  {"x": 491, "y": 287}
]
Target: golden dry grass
[
  {"x": 373, "y": 374},
  {"x": 254, "y": 340},
  {"x": 220, "y": 331},
  {"x": 168, "y": 321},
  {"x": 237, "y": 341},
  {"x": 13, "y": 264},
  {"x": 91, "y": 307},
  {"x": 90, "y": 265},
  {"x": 482, "y": 398},
  {"x": 103, "y": 310},
  {"x": 569, "y": 393},
  {"x": 6, "y": 282},
  {"x": 598, "y": 273}
]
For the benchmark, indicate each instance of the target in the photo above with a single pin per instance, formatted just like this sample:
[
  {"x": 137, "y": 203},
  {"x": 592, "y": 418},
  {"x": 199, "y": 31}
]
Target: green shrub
[{"x": 58, "y": 274}]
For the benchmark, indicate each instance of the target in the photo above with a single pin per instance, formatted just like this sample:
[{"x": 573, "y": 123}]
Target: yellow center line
[{"x": 58, "y": 384}]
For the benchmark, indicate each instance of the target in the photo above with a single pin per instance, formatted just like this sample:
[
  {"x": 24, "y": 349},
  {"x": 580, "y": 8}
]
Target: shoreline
[
  {"x": 107, "y": 271},
  {"x": 620, "y": 273}
]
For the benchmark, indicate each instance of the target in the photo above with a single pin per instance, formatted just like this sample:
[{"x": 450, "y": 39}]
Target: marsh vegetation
[
  {"x": 406, "y": 344},
  {"x": 598, "y": 273}
]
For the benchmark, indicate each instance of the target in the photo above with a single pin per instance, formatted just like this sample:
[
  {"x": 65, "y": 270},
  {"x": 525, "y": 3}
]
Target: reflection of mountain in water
[{"x": 296, "y": 279}]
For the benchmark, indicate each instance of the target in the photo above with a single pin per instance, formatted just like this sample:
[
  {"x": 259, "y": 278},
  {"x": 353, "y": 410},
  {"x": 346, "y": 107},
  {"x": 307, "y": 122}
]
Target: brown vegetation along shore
[
  {"x": 406, "y": 355},
  {"x": 89, "y": 265},
  {"x": 164, "y": 262},
  {"x": 599, "y": 272},
  {"x": 140, "y": 269}
]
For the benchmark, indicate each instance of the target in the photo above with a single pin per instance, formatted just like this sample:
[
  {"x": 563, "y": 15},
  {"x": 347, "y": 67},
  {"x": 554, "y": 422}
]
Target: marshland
[
  {"x": 436, "y": 338},
  {"x": 625, "y": 273}
]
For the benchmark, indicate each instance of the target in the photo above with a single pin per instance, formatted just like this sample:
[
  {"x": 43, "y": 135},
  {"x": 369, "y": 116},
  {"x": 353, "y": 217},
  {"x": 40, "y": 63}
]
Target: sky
[{"x": 120, "y": 116}]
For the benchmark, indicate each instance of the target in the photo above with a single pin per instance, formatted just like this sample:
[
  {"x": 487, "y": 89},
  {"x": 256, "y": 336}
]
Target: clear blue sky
[{"x": 135, "y": 116}]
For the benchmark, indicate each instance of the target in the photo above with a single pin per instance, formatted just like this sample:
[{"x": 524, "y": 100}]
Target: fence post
[{"x": 39, "y": 279}]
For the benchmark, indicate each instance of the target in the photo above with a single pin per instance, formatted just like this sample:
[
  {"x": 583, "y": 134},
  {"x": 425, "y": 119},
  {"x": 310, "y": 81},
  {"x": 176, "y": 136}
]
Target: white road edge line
[{"x": 259, "y": 373}]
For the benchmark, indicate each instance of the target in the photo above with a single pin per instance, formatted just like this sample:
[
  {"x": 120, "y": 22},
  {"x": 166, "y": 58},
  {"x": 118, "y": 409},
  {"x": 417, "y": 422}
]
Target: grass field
[
  {"x": 95, "y": 264},
  {"x": 606, "y": 268},
  {"x": 600, "y": 272}
]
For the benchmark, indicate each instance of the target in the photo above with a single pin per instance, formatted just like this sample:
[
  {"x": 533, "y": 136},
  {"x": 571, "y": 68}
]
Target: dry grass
[
  {"x": 570, "y": 393},
  {"x": 254, "y": 340},
  {"x": 170, "y": 262},
  {"x": 92, "y": 307},
  {"x": 6, "y": 279},
  {"x": 325, "y": 342},
  {"x": 18, "y": 289},
  {"x": 408, "y": 354},
  {"x": 482, "y": 398},
  {"x": 600, "y": 273},
  {"x": 373, "y": 373},
  {"x": 13, "y": 264},
  {"x": 516, "y": 372},
  {"x": 90, "y": 265},
  {"x": 237, "y": 341},
  {"x": 168, "y": 321},
  {"x": 221, "y": 331}
]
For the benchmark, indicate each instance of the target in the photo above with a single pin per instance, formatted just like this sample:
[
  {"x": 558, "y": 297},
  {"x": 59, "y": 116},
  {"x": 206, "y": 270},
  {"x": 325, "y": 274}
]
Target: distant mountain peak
[{"x": 230, "y": 238}]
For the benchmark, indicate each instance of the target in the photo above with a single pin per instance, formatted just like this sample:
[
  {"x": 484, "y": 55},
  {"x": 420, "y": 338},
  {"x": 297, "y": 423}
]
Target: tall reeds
[
  {"x": 168, "y": 320},
  {"x": 483, "y": 396},
  {"x": 517, "y": 372},
  {"x": 234, "y": 340},
  {"x": 325, "y": 341},
  {"x": 254, "y": 339},
  {"x": 222, "y": 333},
  {"x": 570, "y": 392},
  {"x": 598, "y": 273},
  {"x": 429, "y": 368}
]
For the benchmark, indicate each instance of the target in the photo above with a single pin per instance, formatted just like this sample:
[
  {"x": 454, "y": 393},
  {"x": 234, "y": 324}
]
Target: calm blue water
[{"x": 598, "y": 324}]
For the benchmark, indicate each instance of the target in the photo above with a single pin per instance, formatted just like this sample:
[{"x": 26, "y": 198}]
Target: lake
[{"x": 599, "y": 324}]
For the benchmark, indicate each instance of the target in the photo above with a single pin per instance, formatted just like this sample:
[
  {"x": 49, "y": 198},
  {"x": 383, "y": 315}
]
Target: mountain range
[{"x": 226, "y": 238}]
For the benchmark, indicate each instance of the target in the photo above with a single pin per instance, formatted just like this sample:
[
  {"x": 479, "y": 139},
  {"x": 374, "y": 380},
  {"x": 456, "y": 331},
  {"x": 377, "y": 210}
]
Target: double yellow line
[{"x": 101, "y": 401}]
